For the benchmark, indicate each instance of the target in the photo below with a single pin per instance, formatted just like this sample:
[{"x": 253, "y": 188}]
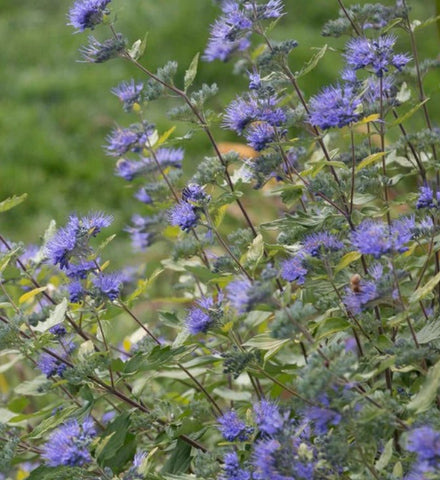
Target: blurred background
[{"x": 55, "y": 112}]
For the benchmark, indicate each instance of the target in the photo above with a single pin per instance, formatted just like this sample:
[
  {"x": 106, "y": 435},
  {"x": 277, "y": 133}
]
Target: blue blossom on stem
[
  {"x": 195, "y": 193},
  {"x": 377, "y": 54},
  {"x": 268, "y": 417},
  {"x": 229, "y": 33},
  {"x": 141, "y": 232},
  {"x": 129, "y": 93},
  {"x": 63, "y": 244},
  {"x": 99, "y": 52},
  {"x": 232, "y": 470},
  {"x": 204, "y": 315},
  {"x": 68, "y": 444},
  {"x": 260, "y": 135},
  {"x": 108, "y": 284},
  {"x": 322, "y": 416},
  {"x": 80, "y": 270},
  {"x": 355, "y": 301},
  {"x": 293, "y": 269},
  {"x": 426, "y": 197},
  {"x": 425, "y": 443},
  {"x": 124, "y": 140},
  {"x": 232, "y": 428},
  {"x": 335, "y": 106},
  {"x": 317, "y": 243},
  {"x": 272, "y": 9},
  {"x": 372, "y": 238},
  {"x": 238, "y": 292},
  {"x": 239, "y": 113},
  {"x": 184, "y": 215},
  {"x": 87, "y": 14},
  {"x": 129, "y": 169},
  {"x": 55, "y": 364},
  {"x": 72, "y": 240},
  {"x": 143, "y": 196},
  {"x": 76, "y": 291},
  {"x": 170, "y": 157}
]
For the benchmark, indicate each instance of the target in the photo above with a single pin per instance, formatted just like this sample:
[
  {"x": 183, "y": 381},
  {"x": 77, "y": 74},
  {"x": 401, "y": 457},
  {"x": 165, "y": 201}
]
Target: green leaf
[
  {"x": 232, "y": 395},
  {"x": 51, "y": 422},
  {"x": 117, "y": 444},
  {"x": 367, "y": 161},
  {"x": 332, "y": 325},
  {"x": 179, "y": 460},
  {"x": 191, "y": 73},
  {"x": 423, "y": 400},
  {"x": 56, "y": 317},
  {"x": 429, "y": 333},
  {"x": 347, "y": 259},
  {"x": 4, "y": 262},
  {"x": 28, "y": 295},
  {"x": 408, "y": 114},
  {"x": 385, "y": 456},
  {"x": 422, "y": 292},
  {"x": 138, "y": 48},
  {"x": 12, "y": 202},
  {"x": 255, "y": 253},
  {"x": 58, "y": 473},
  {"x": 32, "y": 387},
  {"x": 311, "y": 64}
]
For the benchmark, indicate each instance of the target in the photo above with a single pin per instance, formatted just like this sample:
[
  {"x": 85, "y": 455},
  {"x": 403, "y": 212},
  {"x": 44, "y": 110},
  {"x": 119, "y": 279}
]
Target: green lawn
[{"x": 56, "y": 112}]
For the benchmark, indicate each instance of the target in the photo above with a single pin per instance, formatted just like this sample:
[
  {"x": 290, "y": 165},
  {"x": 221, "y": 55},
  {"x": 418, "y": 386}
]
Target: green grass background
[{"x": 56, "y": 112}]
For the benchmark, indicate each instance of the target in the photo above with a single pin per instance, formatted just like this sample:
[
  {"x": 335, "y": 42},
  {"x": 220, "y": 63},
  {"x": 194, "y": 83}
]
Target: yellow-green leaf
[
  {"x": 422, "y": 401},
  {"x": 409, "y": 114},
  {"x": 347, "y": 259},
  {"x": 28, "y": 295},
  {"x": 56, "y": 317},
  {"x": 422, "y": 292},
  {"x": 367, "y": 161},
  {"x": 12, "y": 202}
]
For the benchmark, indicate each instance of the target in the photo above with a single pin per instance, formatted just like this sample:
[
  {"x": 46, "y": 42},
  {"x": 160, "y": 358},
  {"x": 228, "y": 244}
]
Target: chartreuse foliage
[{"x": 287, "y": 327}]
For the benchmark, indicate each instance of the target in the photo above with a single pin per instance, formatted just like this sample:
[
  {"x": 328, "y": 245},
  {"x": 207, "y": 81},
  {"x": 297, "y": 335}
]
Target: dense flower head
[
  {"x": 76, "y": 291},
  {"x": 229, "y": 33},
  {"x": 268, "y": 417},
  {"x": 426, "y": 198},
  {"x": 377, "y": 54},
  {"x": 80, "y": 270},
  {"x": 184, "y": 215},
  {"x": 240, "y": 112},
  {"x": 124, "y": 140},
  {"x": 356, "y": 301},
  {"x": 425, "y": 443},
  {"x": 378, "y": 238},
  {"x": 322, "y": 416},
  {"x": 55, "y": 364},
  {"x": 99, "y": 52},
  {"x": 108, "y": 284},
  {"x": 128, "y": 169},
  {"x": 195, "y": 193},
  {"x": 238, "y": 292},
  {"x": 232, "y": 428},
  {"x": 87, "y": 13},
  {"x": 68, "y": 444},
  {"x": 271, "y": 9},
  {"x": 201, "y": 317},
  {"x": 170, "y": 157},
  {"x": 293, "y": 269},
  {"x": 142, "y": 230},
  {"x": 260, "y": 135},
  {"x": 129, "y": 93},
  {"x": 232, "y": 470},
  {"x": 72, "y": 240},
  {"x": 316, "y": 243},
  {"x": 143, "y": 196},
  {"x": 335, "y": 106}
]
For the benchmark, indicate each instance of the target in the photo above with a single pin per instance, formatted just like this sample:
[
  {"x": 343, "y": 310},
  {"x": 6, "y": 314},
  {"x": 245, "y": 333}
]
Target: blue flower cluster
[
  {"x": 314, "y": 245},
  {"x": 87, "y": 13},
  {"x": 231, "y": 32},
  {"x": 425, "y": 443},
  {"x": 68, "y": 444},
  {"x": 204, "y": 315}
]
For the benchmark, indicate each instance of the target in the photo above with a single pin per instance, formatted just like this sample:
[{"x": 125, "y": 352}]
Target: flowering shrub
[{"x": 296, "y": 341}]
